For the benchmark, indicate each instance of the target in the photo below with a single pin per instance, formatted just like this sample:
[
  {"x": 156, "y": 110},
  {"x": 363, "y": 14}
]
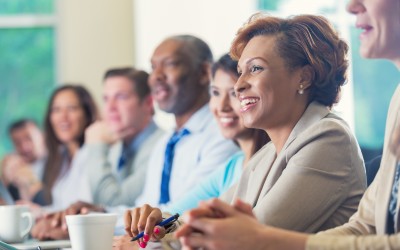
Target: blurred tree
[{"x": 27, "y": 66}]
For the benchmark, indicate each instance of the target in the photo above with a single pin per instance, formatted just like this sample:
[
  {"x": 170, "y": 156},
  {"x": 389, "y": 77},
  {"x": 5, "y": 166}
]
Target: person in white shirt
[{"x": 70, "y": 111}]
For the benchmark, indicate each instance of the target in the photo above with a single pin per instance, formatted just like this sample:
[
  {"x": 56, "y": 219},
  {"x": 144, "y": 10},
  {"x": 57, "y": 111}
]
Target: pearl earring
[{"x": 301, "y": 90}]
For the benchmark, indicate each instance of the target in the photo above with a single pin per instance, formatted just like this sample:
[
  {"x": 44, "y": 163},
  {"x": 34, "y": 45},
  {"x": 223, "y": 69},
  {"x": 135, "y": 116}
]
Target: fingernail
[
  {"x": 143, "y": 244},
  {"x": 156, "y": 230},
  {"x": 146, "y": 237}
]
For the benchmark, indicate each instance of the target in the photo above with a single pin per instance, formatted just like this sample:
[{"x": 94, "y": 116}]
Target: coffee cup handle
[{"x": 27, "y": 215}]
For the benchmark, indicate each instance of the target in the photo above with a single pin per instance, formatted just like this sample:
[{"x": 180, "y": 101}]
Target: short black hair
[
  {"x": 21, "y": 123},
  {"x": 227, "y": 64}
]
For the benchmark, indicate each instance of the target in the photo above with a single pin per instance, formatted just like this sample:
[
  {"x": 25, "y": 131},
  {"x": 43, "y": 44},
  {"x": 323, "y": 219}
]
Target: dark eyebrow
[
  {"x": 248, "y": 61},
  {"x": 255, "y": 58}
]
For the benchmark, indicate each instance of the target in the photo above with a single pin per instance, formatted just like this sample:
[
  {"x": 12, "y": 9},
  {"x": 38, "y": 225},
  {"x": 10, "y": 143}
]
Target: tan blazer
[
  {"x": 371, "y": 216},
  {"x": 315, "y": 183}
]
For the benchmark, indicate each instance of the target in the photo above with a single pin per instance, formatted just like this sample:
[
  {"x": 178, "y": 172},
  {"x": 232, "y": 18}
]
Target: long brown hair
[{"x": 53, "y": 164}]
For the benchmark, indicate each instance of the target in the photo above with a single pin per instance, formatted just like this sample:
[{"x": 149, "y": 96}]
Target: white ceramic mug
[
  {"x": 15, "y": 223},
  {"x": 91, "y": 231}
]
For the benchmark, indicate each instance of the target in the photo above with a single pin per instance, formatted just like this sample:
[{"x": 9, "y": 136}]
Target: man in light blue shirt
[{"x": 179, "y": 83}]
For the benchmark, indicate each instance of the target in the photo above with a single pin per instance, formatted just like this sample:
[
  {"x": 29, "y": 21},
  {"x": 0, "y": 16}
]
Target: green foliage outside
[
  {"x": 27, "y": 66},
  {"x": 27, "y": 69},
  {"x": 8, "y": 7},
  {"x": 269, "y": 4}
]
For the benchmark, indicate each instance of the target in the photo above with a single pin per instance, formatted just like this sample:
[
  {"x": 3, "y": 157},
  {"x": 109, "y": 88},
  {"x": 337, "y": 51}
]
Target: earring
[{"x": 301, "y": 90}]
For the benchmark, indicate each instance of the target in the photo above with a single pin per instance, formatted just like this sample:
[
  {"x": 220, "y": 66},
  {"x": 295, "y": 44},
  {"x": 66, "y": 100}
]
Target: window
[
  {"x": 27, "y": 62},
  {"x": 367, "y": 94}
]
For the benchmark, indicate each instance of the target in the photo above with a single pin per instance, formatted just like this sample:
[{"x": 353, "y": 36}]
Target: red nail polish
[
  {"x": 143, "y": 244},
  {"x": 146, "y": 238},
  {"x": 156, "y": 230}
]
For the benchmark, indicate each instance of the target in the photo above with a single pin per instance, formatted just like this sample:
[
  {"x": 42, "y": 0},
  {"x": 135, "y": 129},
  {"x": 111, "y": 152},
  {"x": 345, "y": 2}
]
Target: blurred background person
[
  {"x": 30, "y": 152},
  {"x": 118, "y": 147},
  {"x": 70, "y": 111}
]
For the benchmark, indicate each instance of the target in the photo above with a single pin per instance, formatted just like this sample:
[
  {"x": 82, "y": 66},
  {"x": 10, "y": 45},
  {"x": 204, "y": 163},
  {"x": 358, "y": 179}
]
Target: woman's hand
[
  {"x": 44, "y": 230},
  {"x": 9, "y": 166},
  {"x": 218, "y": 225},
  {"x": 144, "y": 219}
]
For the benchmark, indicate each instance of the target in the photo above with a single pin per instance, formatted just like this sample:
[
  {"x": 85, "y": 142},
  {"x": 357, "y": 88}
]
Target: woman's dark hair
[
  {"x": 228, "y": 65},
  {"x": 303, "y": 40},
  {"x": 54, "y": 161}
]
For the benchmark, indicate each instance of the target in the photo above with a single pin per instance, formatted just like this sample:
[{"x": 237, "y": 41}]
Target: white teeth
[
  {"x": 248, "y": 101},
  {"x": 226, "y": 119}
]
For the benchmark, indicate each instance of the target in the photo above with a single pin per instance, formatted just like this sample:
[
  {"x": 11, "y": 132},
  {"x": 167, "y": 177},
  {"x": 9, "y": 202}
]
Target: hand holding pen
[
  {"x": 145, "y": 219},
  {"x": 163, "y": 223}
]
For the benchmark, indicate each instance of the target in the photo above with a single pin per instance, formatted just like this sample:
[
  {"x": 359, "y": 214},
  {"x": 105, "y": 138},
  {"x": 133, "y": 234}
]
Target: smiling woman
[
  {"x": 311, "y": 175},
  {"x": 71, "y": 109},
  {"x": 374, "y": 225}
]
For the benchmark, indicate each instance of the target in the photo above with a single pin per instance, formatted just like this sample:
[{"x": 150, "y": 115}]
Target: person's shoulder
[
  {"x": 330, "y": 125},
  {"x": 156, "y": 135}
]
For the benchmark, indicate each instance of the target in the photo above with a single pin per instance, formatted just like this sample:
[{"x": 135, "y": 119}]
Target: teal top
[{"x": 213, "y": 186}]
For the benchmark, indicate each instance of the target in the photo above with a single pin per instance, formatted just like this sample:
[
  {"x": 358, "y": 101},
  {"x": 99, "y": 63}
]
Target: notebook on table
[{"x": 34, "y": 245}]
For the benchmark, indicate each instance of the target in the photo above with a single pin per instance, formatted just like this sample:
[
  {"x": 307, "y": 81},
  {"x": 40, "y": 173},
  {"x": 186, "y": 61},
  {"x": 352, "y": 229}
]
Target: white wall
[
  {"x": 92, "y": 37},
  {"x": 215, "y": 21}
]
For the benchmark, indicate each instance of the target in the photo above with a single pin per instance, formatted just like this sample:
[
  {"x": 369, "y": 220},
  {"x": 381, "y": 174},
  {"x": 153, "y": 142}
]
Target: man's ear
[{"x": 205, "y": 77}]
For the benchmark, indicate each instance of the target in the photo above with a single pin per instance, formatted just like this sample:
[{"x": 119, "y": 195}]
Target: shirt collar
[
  {"x": 140, "y": 138},
  {"x": 199, "y": 120}
]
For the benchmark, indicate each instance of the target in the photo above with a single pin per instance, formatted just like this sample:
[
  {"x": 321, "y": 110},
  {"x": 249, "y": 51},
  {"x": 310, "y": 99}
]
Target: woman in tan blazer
[
  {"x": 311, "y": 175},
  {"x": 375, "y": 225}
]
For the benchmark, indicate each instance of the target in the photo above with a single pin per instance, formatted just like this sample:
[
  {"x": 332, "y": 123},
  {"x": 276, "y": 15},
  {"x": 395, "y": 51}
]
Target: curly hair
[{"x": 303, "y": 40}]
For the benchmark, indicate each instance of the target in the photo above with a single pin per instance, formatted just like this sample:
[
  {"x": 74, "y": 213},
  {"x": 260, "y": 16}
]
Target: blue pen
[{"x": 161, "y": 224}]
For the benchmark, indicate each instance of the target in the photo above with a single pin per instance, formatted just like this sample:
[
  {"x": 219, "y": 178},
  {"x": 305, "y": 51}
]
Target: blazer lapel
[
  {"x": 259, "y": 175},
  {"x": 311, "y": 115},
  {"x": 252, "y": 180},
  {"x": 265, "y": 167}
]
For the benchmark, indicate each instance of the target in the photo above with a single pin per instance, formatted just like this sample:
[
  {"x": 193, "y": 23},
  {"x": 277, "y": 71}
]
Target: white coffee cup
[
  {"x": 91, "y": 231},
  {"x": 15, "y": 223}
]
